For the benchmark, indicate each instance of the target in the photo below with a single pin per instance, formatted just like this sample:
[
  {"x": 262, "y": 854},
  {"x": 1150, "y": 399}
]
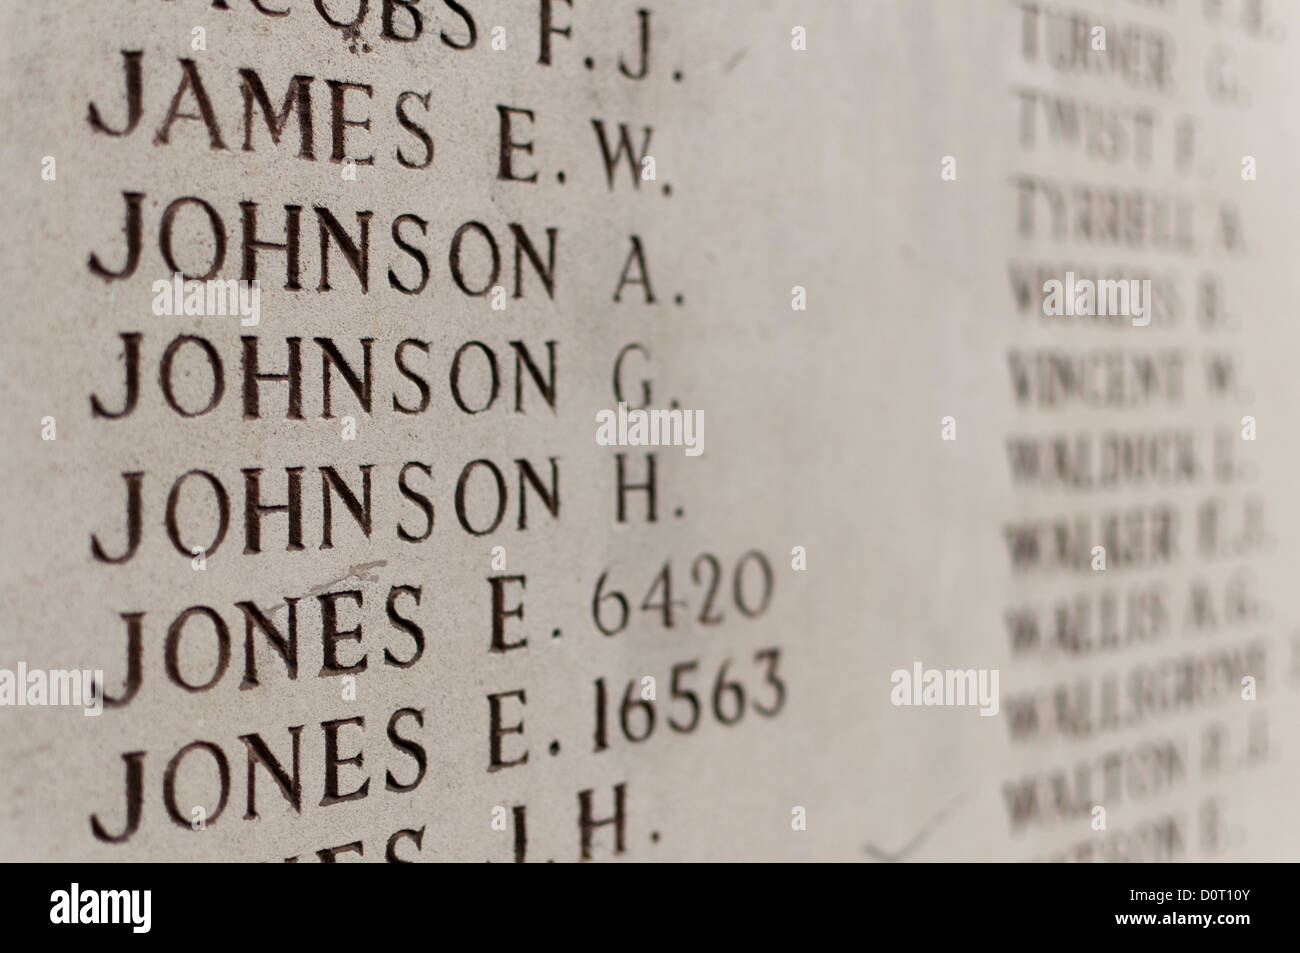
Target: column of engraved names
[
  {"x": 315, "y": 473},
  {"x": 635, "y": 605},
  {"x": 1135, "y": 527}
]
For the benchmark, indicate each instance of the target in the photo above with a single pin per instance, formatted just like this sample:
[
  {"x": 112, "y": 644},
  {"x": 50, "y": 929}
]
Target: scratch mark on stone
[
  {"x": 731, "y": 63},
  {"x": 32, "y": 752},
  {"x": 360, "y": 572},
  {"x": 919, "y": 838}
]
